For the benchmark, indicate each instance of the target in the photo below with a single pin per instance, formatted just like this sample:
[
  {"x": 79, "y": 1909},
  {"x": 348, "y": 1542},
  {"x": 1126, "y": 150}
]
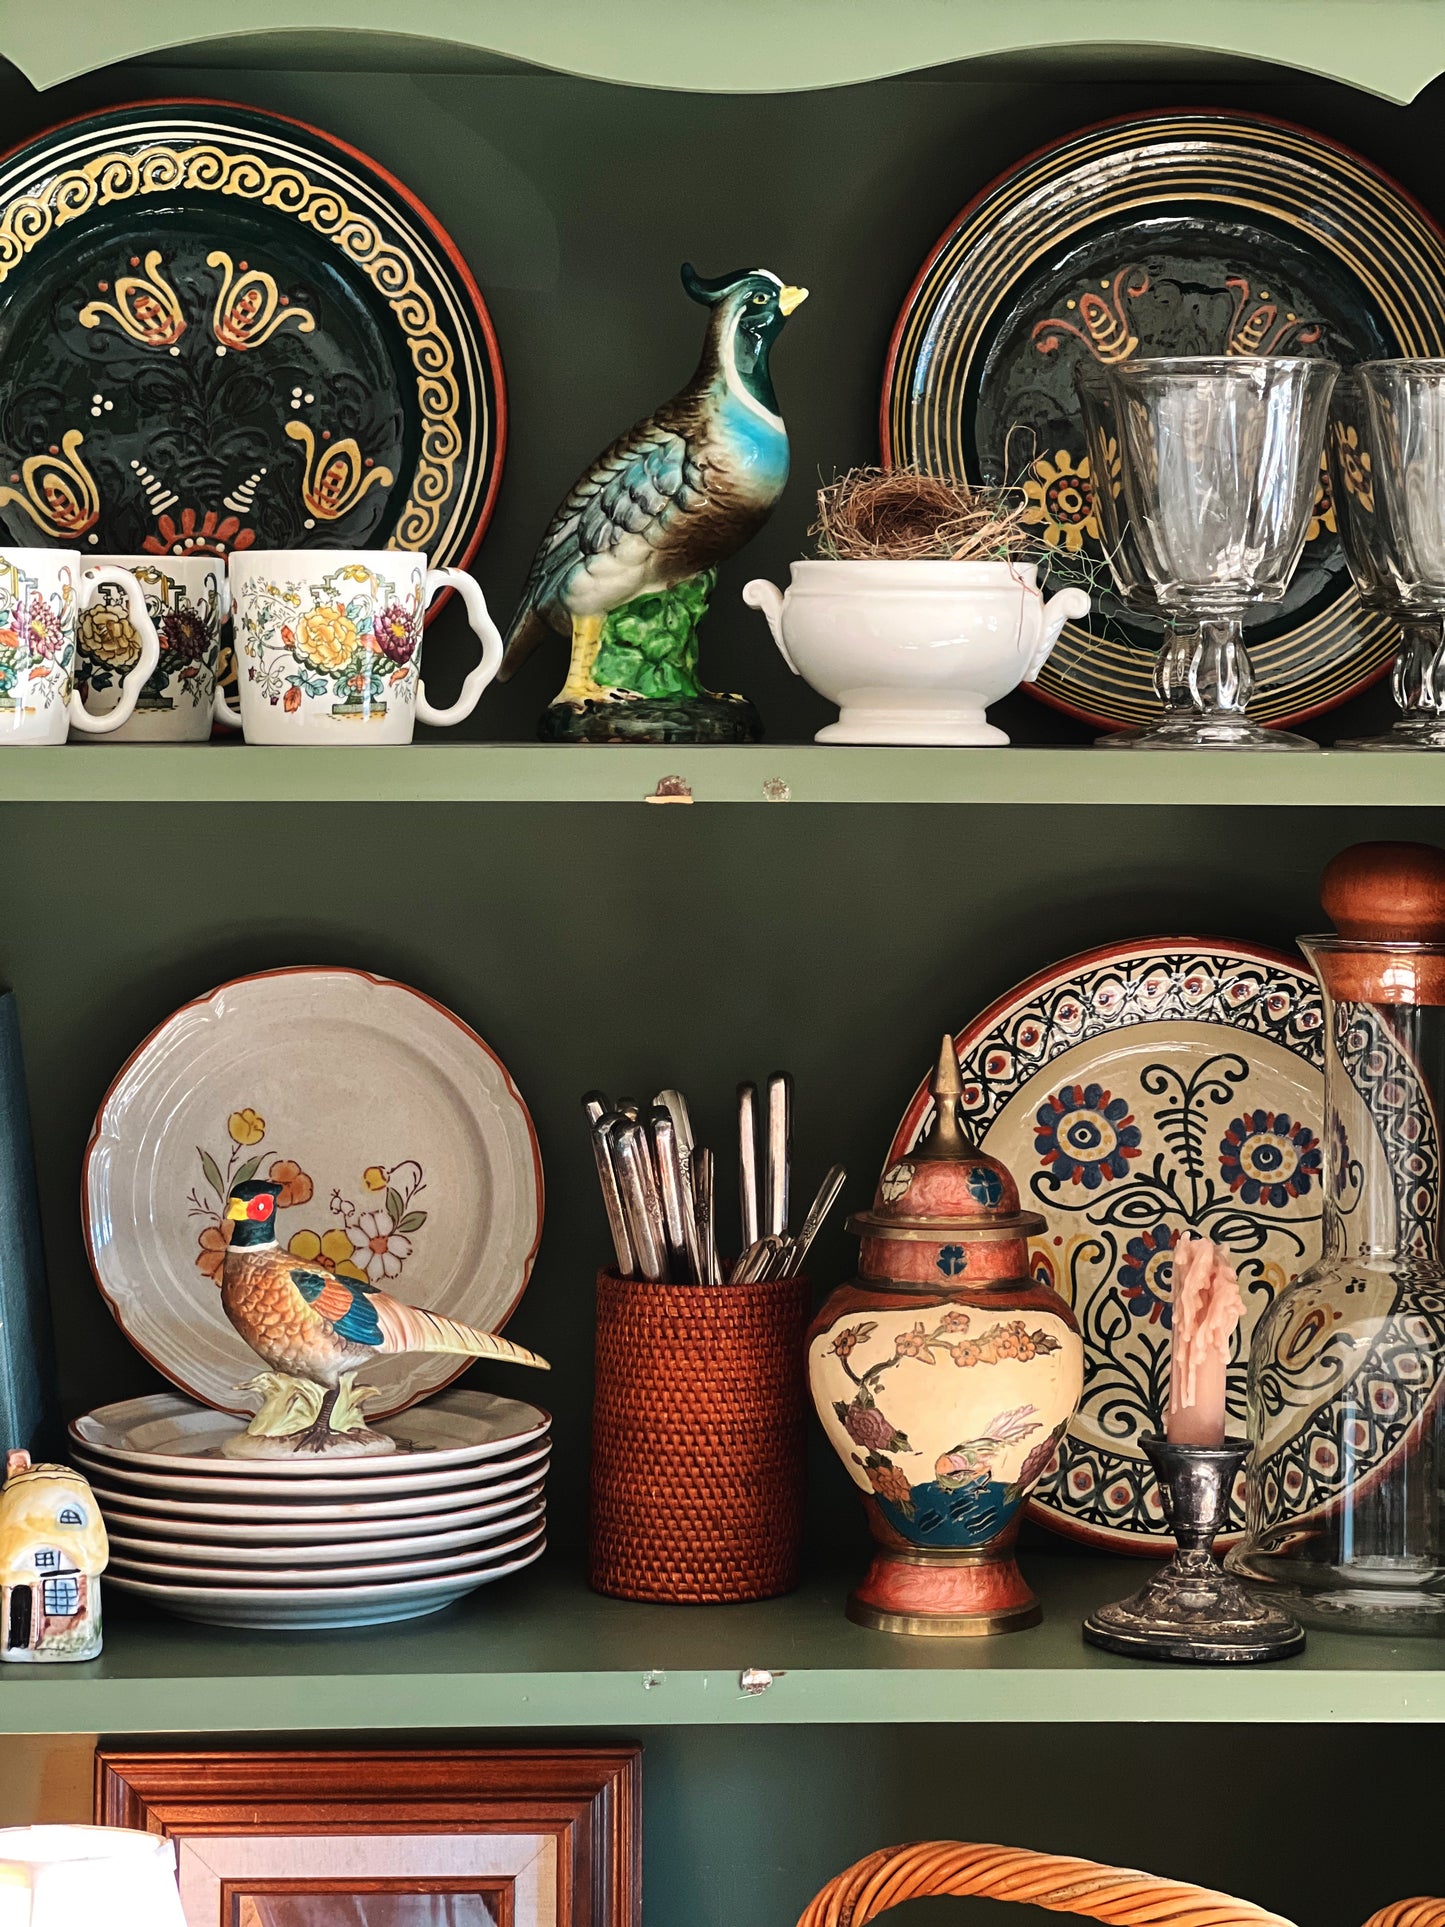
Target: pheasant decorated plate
[
  {"x": 1167, "y": 234},
  {"x": 1140, "y": 1093},
  {"x": 221, "y": 329},
  {"x": 405, "y": 1157}
]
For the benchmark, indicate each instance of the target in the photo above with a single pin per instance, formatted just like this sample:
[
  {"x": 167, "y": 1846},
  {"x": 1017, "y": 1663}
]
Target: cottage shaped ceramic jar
[
  {"x": 53, "y": 1549},
  {"x": 944, "y": 1378}
]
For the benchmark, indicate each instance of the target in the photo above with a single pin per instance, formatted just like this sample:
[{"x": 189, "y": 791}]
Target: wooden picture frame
[{"x": 531, "y": 1836}]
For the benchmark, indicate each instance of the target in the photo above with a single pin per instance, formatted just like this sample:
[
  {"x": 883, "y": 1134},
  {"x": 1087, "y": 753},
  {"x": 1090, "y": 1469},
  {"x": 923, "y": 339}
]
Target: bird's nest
[{"x": 903, "y": 515}]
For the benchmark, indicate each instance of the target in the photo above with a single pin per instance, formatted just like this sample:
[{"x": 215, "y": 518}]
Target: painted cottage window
[
  {"x": 62, "y": 1596},
  {"x": 72, "y": 1516},
  {"x": 47, "y": 1559}
]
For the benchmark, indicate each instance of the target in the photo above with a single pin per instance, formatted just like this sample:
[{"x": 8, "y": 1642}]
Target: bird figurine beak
[
  {"x": 236, "y": 1210},
  {"x": 792, "y": 298}
]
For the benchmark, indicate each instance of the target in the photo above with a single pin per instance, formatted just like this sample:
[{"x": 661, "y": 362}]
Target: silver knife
[
  {"x": 607, "y": 1178},
  {"x": 640, "y": 1202},
  {"x": 780, "y": 1128},
  {"x": 748, "y": 1201}
]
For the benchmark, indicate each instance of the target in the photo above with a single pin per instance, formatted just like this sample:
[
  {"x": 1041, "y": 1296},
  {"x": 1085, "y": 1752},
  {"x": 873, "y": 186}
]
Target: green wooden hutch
[{"x": 825, "y": 909}]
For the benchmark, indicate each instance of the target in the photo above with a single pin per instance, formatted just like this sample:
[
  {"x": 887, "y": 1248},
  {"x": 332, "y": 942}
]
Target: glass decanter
[{"x": 1346, "y": 1488}]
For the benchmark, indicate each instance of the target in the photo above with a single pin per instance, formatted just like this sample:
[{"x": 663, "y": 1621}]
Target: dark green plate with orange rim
[{"x": 1168, "y": 234}]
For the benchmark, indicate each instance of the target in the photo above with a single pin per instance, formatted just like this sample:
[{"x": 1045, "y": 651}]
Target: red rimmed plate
[{"x": 407, "y": 1155}]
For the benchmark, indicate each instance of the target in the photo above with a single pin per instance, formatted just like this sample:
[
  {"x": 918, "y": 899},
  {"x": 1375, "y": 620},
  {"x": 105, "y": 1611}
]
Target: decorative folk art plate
[
  {"x": 1140, "y": 1092},
  {"x": 1172, "y": 234},
  {"x": 222, "y": 329},
  {"x": 405, "y": 1153}
]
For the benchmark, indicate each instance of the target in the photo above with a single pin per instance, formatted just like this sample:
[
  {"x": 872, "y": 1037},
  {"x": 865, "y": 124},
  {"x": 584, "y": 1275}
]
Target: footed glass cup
[
  {"x": 1345, "y": 1520},
  {"x": 1219, "y": 466}
]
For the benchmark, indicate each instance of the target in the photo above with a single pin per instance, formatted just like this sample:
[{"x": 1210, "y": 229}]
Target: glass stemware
[
  {"x": 1219, "y": 466},
  {"x": 1387, "y": 458},
  {"x": 1175, "y": 659}
]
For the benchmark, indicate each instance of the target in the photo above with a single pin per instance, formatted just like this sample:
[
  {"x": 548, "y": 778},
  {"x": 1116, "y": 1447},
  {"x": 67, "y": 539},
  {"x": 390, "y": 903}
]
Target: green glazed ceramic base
[{"x": 695, "y": 719}]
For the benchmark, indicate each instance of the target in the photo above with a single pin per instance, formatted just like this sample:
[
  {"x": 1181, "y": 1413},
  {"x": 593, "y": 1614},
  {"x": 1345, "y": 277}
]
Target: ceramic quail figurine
[
  {"x": 629, "y": 559},
  {"x": 314, "y": 1329},
  {"x": 53, "y": 1549}
]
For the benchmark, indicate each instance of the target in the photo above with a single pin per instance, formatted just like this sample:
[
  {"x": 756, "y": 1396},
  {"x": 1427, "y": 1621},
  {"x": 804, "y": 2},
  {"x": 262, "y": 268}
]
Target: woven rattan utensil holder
[
  {"x": 1056, "y": 1881},
  {"x": 698, "y": 1440}
]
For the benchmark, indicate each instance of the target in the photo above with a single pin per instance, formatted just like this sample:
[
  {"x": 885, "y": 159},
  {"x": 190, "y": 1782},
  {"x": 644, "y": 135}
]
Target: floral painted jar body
[{"x": 944, "y": 1378}]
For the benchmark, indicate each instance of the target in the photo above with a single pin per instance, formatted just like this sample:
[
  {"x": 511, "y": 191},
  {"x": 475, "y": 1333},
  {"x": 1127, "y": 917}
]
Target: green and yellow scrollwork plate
[
  {"x": 1169, "y": 234},
  {"x": 222, "y": 329}
]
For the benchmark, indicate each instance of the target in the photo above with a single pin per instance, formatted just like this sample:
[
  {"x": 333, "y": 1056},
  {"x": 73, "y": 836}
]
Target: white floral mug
[
  {"x": 188, "y": 599},
  {"x": 43, "y": 594},
  {"x": 328, "y": 645}
]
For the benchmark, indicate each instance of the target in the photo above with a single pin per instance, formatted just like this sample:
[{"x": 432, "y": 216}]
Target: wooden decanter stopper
[{"x": 1385, "y": 894}]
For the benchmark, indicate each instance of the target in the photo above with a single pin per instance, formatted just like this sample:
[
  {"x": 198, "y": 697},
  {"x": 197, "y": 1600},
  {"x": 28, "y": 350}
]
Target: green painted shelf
[
  {"x": 785, "y": 772},
  {"x": 1391, "y": 47},
  {"x": 544, "y": 1652}
]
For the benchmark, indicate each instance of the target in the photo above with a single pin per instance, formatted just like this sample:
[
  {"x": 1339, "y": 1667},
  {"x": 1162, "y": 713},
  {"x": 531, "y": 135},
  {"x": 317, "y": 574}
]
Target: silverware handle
[
  {"x": 675, "y": 1211},
  {"x": 748, "y": 1199},
  {"x": 612, "y": 1198},
  {"x": 779, "y": 1134},
  {"x": 640, "y": 1202}
]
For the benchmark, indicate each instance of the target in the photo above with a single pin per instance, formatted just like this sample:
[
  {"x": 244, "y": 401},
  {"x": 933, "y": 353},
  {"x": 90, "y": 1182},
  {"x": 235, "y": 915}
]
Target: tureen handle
[
  {"x": 764, "y": 595},
  {"x": 1069, "y": 605}
]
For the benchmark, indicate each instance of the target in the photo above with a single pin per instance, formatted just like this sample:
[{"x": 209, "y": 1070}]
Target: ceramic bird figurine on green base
[
  {"x": 315, "y": 1329},
  {"x": 629, "y": 560}
]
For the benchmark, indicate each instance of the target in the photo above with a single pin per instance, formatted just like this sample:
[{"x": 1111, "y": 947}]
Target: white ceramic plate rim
[
  {"x": 104, "y": 1433},
  {"x": 140, "y": 1550},
  {"x": 331, "y": 1596},
  {"x": 241, "y": 1506},
  {"x": 358, "y": 1572},
  {"x": 127, "y": 1276},
  {"x": 284, "y": 1491},
  {"x": 234, "y": 1530}
]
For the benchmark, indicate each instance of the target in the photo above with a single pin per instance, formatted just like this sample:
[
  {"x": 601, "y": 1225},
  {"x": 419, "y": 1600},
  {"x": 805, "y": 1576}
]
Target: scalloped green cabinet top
[{"x": 1389, "y": 47}]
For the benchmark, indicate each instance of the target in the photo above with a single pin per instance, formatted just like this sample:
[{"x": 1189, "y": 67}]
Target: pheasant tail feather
[{"x": 404, "y": 1328}]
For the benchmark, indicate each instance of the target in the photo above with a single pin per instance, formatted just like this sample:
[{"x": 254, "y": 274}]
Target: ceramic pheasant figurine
[
  {"x": 314, "y": 1329},
  {"x": 629, "y": 559}
]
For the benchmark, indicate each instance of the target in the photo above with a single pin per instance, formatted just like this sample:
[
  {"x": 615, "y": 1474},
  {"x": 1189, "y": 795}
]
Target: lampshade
[{"x": 87, "y": 1877}]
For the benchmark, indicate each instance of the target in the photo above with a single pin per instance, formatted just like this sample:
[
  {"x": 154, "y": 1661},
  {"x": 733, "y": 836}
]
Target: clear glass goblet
[
  {"x": 1219, "y": 464},
  {"x": 1181, "y": 642},
  {"x": 1387, "y": 458}
]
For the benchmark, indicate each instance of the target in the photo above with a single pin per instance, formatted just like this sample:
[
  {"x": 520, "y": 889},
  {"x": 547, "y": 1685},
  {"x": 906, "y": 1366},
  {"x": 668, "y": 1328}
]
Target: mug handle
[
  {"x": 483, "y": 628},
  {"x": 135, "y": 679},
  {"x": 221, "y": 710}
]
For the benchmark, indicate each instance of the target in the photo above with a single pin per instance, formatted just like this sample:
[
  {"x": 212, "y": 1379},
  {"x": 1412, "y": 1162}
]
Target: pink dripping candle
[{"x": 1207, "y": 1307}]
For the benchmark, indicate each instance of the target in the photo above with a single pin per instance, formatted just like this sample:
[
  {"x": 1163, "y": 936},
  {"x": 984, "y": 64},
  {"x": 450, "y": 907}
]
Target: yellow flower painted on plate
[
  {"x": 1322, "y": 514},
  {"x": 331, "y": 1250},
  {"x": 246, "y": 1127},
  {"x": 326, "y": 638},
  {"x": 1356, "y": 468},
  {"x": 1061, "y": 501},
  {"x": 374, "y": 1178}
]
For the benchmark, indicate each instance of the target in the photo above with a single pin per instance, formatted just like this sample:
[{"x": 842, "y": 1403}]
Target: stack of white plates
[{"x": 316, "y": 1542}]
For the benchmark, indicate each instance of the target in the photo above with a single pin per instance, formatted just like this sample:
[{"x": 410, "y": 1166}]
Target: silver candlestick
[{"x": 1193, "y": 1610}]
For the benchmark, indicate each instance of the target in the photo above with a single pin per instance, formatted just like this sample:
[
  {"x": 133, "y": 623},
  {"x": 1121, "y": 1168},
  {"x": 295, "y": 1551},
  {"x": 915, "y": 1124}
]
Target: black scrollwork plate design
[{"x": 221, "y": 329}]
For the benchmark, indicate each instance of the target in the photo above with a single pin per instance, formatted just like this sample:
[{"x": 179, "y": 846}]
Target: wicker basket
[
  {"x": 698, "y": 1440},
  {"x": 1058, "y": 1882}
]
